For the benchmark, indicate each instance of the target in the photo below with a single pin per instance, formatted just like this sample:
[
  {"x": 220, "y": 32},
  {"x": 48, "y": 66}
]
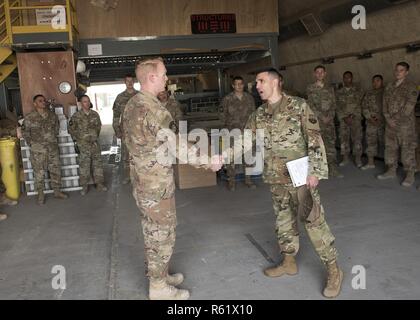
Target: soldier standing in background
[
  {"x": 237, "y": 108},
  {"x": 118, "y": 108},
  {"x": 291, "y": 132},
  {"x": 349, "y": 111},
  {"x": 400, "y": 99},
  {"x": 40, "y": 130},
  {"x": 85, "y": 127},
  {"x": 372, "y": 106},
  {"x": 173, "y": 106},
  {"x": 321, "y": 99},
  {"x": 153, "y": 182}
]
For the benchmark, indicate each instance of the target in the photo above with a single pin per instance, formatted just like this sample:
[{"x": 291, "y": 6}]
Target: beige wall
[
  {"x": 171, "y": 17},
  {"x": 389, "y": 27}
]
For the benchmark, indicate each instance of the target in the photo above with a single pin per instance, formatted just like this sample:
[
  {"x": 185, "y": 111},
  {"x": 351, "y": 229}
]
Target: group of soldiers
[
  {"x": 389, "y": 113},
  {"x": 293, "y": 127},
  {"x": 291, "y": 131},
  {"x": 390, "y": 121},
  {"x": 40, "y": 130}
]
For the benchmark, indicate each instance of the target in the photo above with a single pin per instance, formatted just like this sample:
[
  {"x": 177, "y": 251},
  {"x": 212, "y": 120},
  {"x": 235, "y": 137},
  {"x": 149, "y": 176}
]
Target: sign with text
[{"x": 213, "y": 23}]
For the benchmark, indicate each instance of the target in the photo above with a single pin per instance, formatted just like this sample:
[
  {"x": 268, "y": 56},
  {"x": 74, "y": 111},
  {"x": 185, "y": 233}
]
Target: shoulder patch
[{"x": 313, "y": 119}]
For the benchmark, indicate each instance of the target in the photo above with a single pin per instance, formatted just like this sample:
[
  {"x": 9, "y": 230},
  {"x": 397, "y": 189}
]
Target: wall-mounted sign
[
  {"x": 213, "y": 23},
  {"x": 49, "y": 17},
  {"x": 95, "y": 50}
]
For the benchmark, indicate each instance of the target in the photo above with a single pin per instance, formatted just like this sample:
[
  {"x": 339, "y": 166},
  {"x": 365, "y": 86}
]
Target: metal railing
[{"x": 17, "y": 19}]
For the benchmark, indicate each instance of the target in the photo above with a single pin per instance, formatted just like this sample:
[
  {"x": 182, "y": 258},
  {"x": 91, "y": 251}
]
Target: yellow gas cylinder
[{"x": 10, "y": 167}]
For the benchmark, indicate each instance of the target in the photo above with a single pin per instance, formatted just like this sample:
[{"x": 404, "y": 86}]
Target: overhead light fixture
[
  {"x": 330, "y": 60},
  {"x": 414, "y": 47},
  {"x": 366, "y": 55}
]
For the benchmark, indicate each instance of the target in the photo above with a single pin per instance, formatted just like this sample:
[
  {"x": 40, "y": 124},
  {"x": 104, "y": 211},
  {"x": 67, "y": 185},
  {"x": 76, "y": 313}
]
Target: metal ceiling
[
  {"x": 328, "y": 12},
  {"x": 115, "y": 68}
]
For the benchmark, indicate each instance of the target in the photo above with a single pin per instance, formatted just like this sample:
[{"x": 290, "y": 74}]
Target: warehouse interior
[{"x": 64, "y": 49}]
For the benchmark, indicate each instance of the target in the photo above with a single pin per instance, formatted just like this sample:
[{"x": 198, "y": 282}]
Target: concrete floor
[{"x": 224, "y": 242}]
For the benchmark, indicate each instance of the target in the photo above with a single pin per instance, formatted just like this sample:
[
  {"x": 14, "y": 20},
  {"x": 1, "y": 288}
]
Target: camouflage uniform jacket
[
  {"x": 85, "y": 127},
  {"x": 291, "y": 132},
  {"x": 322, "y": 101},
  {"x": 349, "y": 103},
  {"x": 400, "y": 102},
  {"x": 236, "y": 112},
  {"x": 40, "y": 132},
  {"x": 143, "y": 118},
  {"x": 372, "y": 104},
  {"x": 118, "y": 108},
  {"x": 174, "y": 109}
]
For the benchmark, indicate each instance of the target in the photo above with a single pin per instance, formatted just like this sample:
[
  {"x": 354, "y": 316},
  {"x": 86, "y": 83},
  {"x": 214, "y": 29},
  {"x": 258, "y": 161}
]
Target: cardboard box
[{"x": 188, "y": 177}]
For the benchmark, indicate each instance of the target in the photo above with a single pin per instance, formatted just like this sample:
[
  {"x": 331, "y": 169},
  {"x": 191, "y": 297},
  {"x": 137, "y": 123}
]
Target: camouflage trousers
[
  {"x": 329, "y": 136},
  {"x": 375, "y": 137},
  {"x": 406, "y": 139},
  {"x": 351, "y": 136},
  {"x": 158, "y": 220},
  {"x": 43, "y": 161},
  {"x": 292, "y": 204},
  {"x": 125, "y": 159},
  {"x": 90, "y": 161}
]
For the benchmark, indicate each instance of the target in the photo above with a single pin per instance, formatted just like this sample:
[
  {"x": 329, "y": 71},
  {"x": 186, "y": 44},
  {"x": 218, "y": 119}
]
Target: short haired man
[
  {"x": 400, "y": 99},
  {"x": 321, "y": 99},
  {"x": 118, "y": 109},
  {"x": 85, "y": 127},
  {"x": 291, "y": 132},
  {"x": 40, "y": 130},
  {"x": 372, "y": 106},
  {"x": 237, "y": 107},
  {"x": 153, "y": 182}
]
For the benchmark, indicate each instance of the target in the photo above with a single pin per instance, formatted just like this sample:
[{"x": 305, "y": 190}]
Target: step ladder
[{"x": 69, "y": 167}]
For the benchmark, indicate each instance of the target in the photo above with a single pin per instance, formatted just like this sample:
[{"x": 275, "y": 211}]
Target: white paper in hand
[{"x": 298, "y": 170}]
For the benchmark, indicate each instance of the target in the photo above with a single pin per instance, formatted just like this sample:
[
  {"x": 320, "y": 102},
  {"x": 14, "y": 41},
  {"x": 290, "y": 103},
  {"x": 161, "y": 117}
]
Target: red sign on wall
[{"x": 213, "y": 23}]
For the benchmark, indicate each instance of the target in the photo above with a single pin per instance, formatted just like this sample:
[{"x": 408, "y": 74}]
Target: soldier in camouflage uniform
[
  {"x": 40, "y": 130},
  {"x": 236, "y": 110},
  {"x": 400, "y": 99},
  {"x": 375, "y": 123},
  {"x": 153, "y": 182},
  {"x": 349, "y": 111},
  {"x": 291, "y": 132},
  {"x": 118, "y": 108},
  {"x": 173, "y": 106},
  {"x": 85, "y": 127},
  {"x": 321, "y": 99}
]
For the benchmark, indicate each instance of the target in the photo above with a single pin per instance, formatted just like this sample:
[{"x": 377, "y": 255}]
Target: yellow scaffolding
[{"x": 12, "y": 21}]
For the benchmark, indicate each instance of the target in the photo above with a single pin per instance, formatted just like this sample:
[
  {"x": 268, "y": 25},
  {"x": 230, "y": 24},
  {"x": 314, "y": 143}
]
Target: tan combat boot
[
  {"x": 358, "y": 161},
  {"x": 370, "y": 165},
  {"x": 334, "y": 282},
  {"x": 232, "y": 185},
  {"x": 3, "y": 217},
  {"x": 345, "y": 161},
  {"x": 249, "y": 183},
  {"x": 288, "y": 267},
  {"x": 84, "y": 191},
  {"x": 409, "y": 180},
  {"x": 7, "y": 202},
  {"x": 41, "y": 198},
  {"x": 60, "y": 195},
  {"x": 100, "y": 187},
  {"x": 390, "y": 174},
  {"x": 160, "y": 290},
  {"x": 334, "y": 172},
  {"x": 174, "y": 279}
]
